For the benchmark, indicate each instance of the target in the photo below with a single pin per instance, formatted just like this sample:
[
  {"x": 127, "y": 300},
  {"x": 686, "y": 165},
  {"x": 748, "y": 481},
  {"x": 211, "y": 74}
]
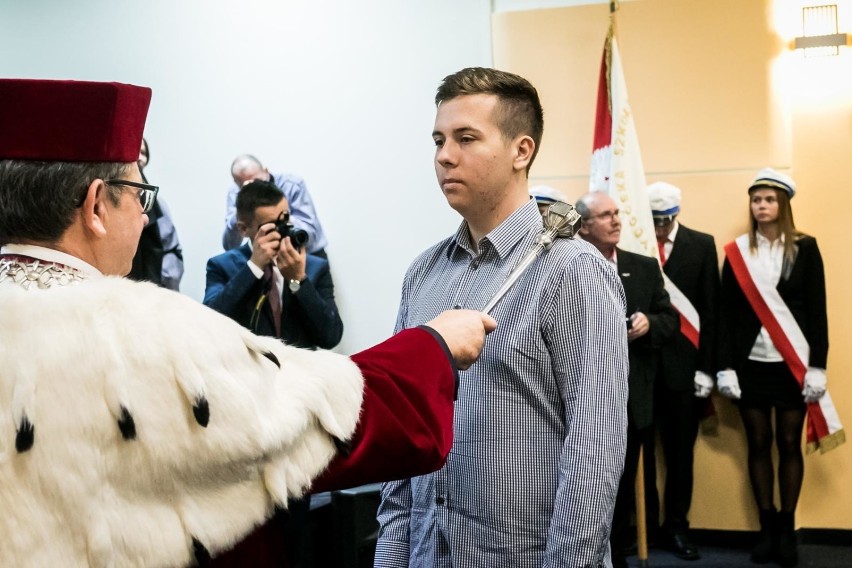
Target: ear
[
  {"x": 524, "y": 148},
  {"x": 94, "y": 208},
  {"x": 242, "y": 228}
]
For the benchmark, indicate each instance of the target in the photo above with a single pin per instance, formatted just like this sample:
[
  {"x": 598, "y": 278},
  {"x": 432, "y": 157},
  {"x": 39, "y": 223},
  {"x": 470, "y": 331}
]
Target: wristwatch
[{"x": 294, "y": 285}]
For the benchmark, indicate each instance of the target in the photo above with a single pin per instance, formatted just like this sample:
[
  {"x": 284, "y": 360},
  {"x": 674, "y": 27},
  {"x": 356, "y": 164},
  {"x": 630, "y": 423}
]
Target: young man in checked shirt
[{"x": 540, "y": 419}]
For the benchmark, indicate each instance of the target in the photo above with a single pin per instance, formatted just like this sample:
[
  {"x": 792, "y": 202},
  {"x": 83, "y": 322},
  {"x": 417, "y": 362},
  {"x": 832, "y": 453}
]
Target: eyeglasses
[
  {"x": 147, "y": 195},
  {"x": 664, "y": 221},
  {"x": 605, "y": 216}
]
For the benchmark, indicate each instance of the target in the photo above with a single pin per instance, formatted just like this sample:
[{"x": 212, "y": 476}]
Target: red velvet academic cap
[{"x": 71, "y": 121}]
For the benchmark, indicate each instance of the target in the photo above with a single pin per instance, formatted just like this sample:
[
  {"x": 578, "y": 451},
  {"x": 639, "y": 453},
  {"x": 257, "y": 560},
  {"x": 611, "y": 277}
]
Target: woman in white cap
[{"x": 773, "y": 347}]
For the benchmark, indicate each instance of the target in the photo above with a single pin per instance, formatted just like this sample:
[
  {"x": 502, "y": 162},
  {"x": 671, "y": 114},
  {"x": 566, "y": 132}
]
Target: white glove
[
  {"x": 703, "y": 384},
  {"x": 814, "y": 384},
  {"x": 728, "y": 383}
]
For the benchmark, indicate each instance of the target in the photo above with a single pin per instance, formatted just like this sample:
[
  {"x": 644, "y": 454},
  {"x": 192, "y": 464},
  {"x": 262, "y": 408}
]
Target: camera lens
[{"x": 298, "y": 237}]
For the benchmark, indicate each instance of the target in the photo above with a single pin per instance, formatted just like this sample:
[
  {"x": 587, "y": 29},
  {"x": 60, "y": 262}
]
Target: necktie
[
  {"x": 661, "y": 245},
  {"x": 274, "y": 297}
]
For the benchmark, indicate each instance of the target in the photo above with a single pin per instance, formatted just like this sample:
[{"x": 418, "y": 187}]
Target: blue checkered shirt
[{"x": 540, "y": 420}]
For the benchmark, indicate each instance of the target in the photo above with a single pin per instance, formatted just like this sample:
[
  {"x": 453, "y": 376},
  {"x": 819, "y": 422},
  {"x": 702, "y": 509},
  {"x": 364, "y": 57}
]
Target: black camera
[
  {"x": 629, "y": 322},
  {"x": 298, "y": 237}
]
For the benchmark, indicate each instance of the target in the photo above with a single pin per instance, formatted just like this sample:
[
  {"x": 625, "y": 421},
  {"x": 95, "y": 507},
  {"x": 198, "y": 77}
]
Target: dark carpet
[{"x": 810, "y": 556}]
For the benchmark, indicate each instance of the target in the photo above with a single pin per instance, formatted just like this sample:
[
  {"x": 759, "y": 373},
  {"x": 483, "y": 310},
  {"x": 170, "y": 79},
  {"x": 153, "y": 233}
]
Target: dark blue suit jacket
[{"x": 309, "y": 318}]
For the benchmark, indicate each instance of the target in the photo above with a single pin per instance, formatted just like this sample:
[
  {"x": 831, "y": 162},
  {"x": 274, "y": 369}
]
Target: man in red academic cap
[{"x": 148, "y": 429}]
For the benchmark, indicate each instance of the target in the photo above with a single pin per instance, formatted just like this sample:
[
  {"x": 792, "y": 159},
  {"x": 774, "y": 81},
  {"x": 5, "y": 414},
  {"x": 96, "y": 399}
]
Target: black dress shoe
[{"x": 683, "y": 547}]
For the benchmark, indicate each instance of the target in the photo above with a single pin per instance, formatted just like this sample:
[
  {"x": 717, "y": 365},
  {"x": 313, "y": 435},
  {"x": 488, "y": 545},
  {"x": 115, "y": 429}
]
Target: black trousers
[
  {"x": 676, "y": 419},
  {"x": 622, "y": 531}
]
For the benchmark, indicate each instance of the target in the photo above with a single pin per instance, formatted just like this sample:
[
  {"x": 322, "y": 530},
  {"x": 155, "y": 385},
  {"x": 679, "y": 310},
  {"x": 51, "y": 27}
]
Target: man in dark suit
[
  {"x": 686, "y": 362},
  {"x": 270, "y": 286},
  {"x": 275, "y": 288},
  {"x": 651, "y": 322}
]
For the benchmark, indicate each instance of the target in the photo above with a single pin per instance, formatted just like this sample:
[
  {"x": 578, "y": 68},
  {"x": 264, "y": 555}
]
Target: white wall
[{"x": 339, "y": 92}]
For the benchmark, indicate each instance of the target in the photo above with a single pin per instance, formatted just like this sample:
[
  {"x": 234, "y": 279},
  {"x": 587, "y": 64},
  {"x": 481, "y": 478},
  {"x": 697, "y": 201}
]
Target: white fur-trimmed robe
[{"x": 72, "y": 357}]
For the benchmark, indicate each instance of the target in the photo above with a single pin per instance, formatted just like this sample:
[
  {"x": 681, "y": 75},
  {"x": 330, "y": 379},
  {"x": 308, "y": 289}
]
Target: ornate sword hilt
[{"x": 561, "y": 220}]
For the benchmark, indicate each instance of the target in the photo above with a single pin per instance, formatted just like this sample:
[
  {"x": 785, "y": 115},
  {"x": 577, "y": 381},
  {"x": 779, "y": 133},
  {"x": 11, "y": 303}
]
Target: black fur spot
[
  {"x": 200, "y": 552},
  {"x": 271, "y": 356},
  {"x": 25, "y": 436},
  {"x": 201, "y": 410},
  {"x": 344, "y": 447},
  {"x": 127, "y": 425}
]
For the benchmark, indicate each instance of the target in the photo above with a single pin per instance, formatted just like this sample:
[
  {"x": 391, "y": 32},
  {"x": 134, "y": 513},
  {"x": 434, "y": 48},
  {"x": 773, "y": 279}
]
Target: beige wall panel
[
  {"x": 700, "y": 83},
  {"x": 565, "y": 72},
  {"x": 697, "y": 71},
  {"x": 822, "y": 166}
]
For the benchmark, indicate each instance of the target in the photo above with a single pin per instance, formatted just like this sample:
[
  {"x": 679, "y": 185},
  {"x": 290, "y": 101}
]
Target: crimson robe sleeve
[
  {"x": 406, "y": 423},
  {"x": 405, "y": 428}
]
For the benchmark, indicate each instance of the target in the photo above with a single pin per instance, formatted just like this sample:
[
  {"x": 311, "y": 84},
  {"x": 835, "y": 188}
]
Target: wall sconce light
[{"x": 819, "y": 25}]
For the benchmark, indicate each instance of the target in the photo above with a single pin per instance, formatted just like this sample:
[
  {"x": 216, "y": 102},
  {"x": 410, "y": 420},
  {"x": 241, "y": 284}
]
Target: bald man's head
[
  {"x": 246, "y": 168},
  {"x": 601, "y": 221}
]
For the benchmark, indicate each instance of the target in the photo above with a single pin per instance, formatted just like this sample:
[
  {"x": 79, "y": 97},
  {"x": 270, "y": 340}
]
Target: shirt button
[{"x": 439, "y": 500}]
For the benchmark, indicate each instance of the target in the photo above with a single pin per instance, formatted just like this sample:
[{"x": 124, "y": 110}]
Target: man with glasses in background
[
  {"x": 651, "y": 321},
  {"x": 142, "y": 428}
]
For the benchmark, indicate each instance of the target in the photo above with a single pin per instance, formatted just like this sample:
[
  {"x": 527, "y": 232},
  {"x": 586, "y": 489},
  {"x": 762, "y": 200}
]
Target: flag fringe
[{"x": 827, "y": 443}]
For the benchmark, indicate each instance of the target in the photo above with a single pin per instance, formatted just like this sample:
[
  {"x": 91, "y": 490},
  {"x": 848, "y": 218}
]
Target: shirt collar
[
  {"x": 673, "y": 233},
  {"x": 614, "y": 258},
  {"x": 52, "y": 255},
  {"x": 762, "y": 241},
  {"x": 506, "y": 235}
]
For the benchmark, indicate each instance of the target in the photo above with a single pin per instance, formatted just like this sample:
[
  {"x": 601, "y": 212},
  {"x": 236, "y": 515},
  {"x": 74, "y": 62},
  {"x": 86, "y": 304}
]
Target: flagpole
[
  {"x": 641, "y": 528},
  {"x": 614, "y": 5},
  {"x": 639, "y": 482}
]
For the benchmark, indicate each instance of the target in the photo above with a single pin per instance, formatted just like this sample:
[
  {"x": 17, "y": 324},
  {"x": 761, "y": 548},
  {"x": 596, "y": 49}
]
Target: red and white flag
[
  {"x": 617, "y": 170},
  {"x": 616, "y": 161}
]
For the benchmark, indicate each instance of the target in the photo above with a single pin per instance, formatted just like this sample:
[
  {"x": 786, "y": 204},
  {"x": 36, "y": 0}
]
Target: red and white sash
[
  {"x": 690, "y": 323},
  {"x": 825, "y": 431}
]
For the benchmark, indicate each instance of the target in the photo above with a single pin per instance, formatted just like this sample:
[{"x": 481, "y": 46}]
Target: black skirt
[{"x": 766, "y": 385}]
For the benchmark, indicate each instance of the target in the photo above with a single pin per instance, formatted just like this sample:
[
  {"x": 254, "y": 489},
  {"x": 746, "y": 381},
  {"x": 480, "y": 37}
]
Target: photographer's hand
[
  {"x": 264, "y": 246},
  {"x": 291, "y": 261}
]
